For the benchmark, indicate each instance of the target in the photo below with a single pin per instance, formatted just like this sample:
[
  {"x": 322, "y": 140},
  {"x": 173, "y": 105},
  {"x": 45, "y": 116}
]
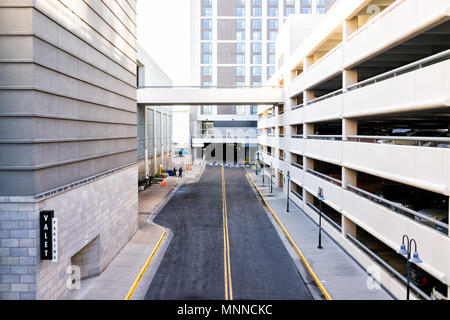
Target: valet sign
[{"x": 49, "y": 236}]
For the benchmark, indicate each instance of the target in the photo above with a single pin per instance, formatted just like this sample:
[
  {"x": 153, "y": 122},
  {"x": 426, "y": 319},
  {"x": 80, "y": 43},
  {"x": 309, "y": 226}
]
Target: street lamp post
[
  {"x": 271, "y": 176},
  {"x": 321, "y": 198},
  {"x": 288, "y": 184},
  {"x": 415, "y": 259}
]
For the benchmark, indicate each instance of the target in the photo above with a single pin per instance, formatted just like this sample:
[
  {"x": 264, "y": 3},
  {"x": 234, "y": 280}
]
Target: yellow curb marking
[
  {"x": 302, "y": 257},
  {"x": 226, "y": 243}
]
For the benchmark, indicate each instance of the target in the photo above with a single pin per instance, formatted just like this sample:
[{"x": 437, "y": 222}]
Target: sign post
[
  {"x": 321, "y": 198},
  {"x": 288, "y": 185}
]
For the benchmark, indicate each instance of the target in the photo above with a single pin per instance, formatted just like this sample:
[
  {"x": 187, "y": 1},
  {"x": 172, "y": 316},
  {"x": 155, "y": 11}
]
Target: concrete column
[
  {"x": 308, "y": 129},
  {"x": 350, "y": 26},
  {"x": 349, "y": 77},
  {"x": 349, "y": 176},
  {"x": 349, "y": 128},
  {"x": 348, "y": 226},
  {"x": 308, "y": 62},
  {"x": 307, "y": 197},
  {"x": 308, "y": 95}
]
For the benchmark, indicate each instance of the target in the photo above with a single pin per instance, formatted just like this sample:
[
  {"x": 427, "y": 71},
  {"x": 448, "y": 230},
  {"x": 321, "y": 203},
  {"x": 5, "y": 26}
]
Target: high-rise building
[{"x": 233, "y": 45}]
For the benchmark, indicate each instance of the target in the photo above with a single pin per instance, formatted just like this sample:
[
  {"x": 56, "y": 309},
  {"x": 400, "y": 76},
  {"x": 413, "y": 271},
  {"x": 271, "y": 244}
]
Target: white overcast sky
[{"x": 164, "y": 31}]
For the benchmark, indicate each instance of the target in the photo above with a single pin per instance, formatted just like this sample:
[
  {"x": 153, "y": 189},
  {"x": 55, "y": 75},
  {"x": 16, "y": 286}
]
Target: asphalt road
[{"x": 223, "y": 249}]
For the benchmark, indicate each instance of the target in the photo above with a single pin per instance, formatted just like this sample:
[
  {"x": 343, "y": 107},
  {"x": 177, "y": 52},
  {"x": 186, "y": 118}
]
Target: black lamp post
[
  {"x": 271, "y": 175},
  {"x": 415, "y": 258},
  {"x": 288, "y": 184},
  {"x": 321, "y": 198}
]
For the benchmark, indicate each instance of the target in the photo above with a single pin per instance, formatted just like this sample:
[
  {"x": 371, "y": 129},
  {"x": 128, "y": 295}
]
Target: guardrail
[
  {"x": 379, "y": 139},
  {"x": 210, "y": 87},
  {"x": 298, "y": 195},
  {"x": 324, "y": 137},
  {"x": 298, "y": 107},
  {"x": 207, "y": 136},
  {"x": 400, "y": 208},
  {"x": 325, "y": 177},
  {"x": 327, "y": 218},
  {"x": 326, "y": 96},
  {"x": 297, "y": 165},
  {"x": 386, "y": 266},
  {"x": 405, "y": 69},
  {"x": 297, "y": 136}
]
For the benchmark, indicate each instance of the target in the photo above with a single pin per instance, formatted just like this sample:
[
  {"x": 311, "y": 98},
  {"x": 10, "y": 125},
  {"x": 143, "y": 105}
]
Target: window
[
  {"x": 240, "y": 47},
  {"x": 305, "y": 7},
  {"x": 240, "y": 71},
  {"x": 206, "y": 23},
  {"x": 256, "y": 47},
  {"x": 240, "y": 59},
  {"x": 240, "y": 84},
  {"x": 206, "y": 12},
  {"x": 240, "y": 11},
  {"x": 271, "y": 47},
  {"x": 257, "y": 35},
  {"x": 256, "y": 71},
  {"x": 257, "y": 84},
  {"x": 206, "y": 59},
  {"x": 257, "y": 59},
  {"x": 240, "y": 24},
  {"x": 273, "y": 24},
  {"x": 240, "y": 35},
  {"x": 321, "y": 7},
  {"x": 273, "y": 2},
  {"x": 257, "y": 2},
  {"x": 206, "y": 71},
  {"x": 206, "y": 35},
  {"x": 206, "y": 84},
  {"x": 290, "y": 2},
  {"x": 207, "y": 110},
  {"x": 240, "y": 110},
  {"x": 206, "y": 1},
  {"x": 206, "y": 47},
  {"x": 290, "y": 10},
  {"x": 256, "y": 23},
  {"x": 257, "y": 12},
  {"x": 273, "y": 35},
  {"x": 273, "y": 12},
  {"x": 240, "y": 2},
  {"x": 253, "y": 110},
  {"x": 271, "y": 59},
  {"x": 270, "y": 71}
]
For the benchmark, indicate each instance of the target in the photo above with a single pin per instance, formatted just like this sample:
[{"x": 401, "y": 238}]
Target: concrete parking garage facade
[{"x": 332, "y": 79}]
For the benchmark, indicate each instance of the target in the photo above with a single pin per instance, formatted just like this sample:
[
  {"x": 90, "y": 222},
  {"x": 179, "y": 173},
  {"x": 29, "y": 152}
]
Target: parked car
[
  {"x": 415, "y": 133},
  {"x": 425, "y": 282},
  {"x": 433, "y": 144},
  {"x": 400, "y": 195},
  {"x": 438, "y": 214}
]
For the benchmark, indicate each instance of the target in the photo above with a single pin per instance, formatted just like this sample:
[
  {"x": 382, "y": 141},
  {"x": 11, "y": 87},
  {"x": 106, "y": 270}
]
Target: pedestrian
[
  {"x": 180, "y": 173},
  {"x": 174, "y": 172}
]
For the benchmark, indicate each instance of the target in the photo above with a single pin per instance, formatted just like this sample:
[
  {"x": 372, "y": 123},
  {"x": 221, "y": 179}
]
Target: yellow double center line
[{"x": 226, "y": 243}]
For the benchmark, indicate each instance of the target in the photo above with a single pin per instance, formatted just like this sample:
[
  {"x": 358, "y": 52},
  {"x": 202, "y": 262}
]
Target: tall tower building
[{"x": 233, "y": 45}]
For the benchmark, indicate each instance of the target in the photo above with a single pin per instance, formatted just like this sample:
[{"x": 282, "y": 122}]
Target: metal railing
[
  {"x": 229, "y": 136},
  {"x": 327, "y": 218},
  {"x": 210, "y": 87},
  {"x": 379, "y": 139},
  {"x": 442, "y": 56},
  {"x": 297, "y": 165},
  {"x": 386, "y": 266},
  {"x": 298, "y": 195},
  {"x": 390, "y": 205},
  {"x": 326, "y": 96},
  {"x": 298, "y": 106},
  {"x": 281, "y": 158},
  {"x": 325, "y": 177},
  {"x": 297, "y": 136},
  {"x": 324, "y": 137}
]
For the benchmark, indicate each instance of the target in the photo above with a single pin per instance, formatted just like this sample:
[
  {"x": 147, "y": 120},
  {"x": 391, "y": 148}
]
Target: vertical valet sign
[{"x": 49, "y": 236}]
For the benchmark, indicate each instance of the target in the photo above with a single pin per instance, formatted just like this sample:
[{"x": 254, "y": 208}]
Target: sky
[{"x": 164, "y": 32}]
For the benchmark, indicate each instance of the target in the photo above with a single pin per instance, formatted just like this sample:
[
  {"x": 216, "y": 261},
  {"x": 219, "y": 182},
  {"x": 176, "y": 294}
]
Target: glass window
[
  {"x": 206, "y": 59},
  {"x": 240, "y": 24},
  {"x": 257, "y": 35},
  {"x": 240, "y": 35},
  {"x": 270, "y": 71},
  {"x": 207, "y": 110},
  {"x": 271, "y": 47},
  {"x": 240, "y": 11},
  {"x": 257, "y": 84},
  {"x": 256, "y": 71},
  {"x": 206, "y": 35},
  {"x": 256, "y": 47},
  {"x": 273, "y": 35},
  {"x": 240, "y": 84},
  {"x": 240, "y": 110},
  {"x": 273, "y": 2},
  {"x": 257, "y": 59},
  {"x": 240, "y": 71},
  {"x": 253, "y": 110},
  {"x": 206, "y": 1},
  {"x": 206, "y": 12},
  {"x": 290, "y": 2},
  {"x": 273, "y": 23},
  {"x": 305, "y": 7},
  {"x": 240, "y": 59},
  {"x": 290, "y": 10},
  {"x": 257, "y": 12},
  {"x": 256, "y": 2},
  {"x": 206, "y": 84},
  {"x": 271, "y": 59},
  {"x": 240, "y": 47},
  {"x": 206, "y": 71},
  {"x": 206, "y": 23},
  {"x": 206, "y": 47},
  {"x": 273, "y": 12},
  {"x": 240, "y": 2},
  {"x": 257, "y": 23}
]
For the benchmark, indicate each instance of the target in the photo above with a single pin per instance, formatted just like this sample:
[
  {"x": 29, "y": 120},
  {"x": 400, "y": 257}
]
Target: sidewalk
[
  {"x": 115, "y": 282},
  {"x": 339, "y": 274}
]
